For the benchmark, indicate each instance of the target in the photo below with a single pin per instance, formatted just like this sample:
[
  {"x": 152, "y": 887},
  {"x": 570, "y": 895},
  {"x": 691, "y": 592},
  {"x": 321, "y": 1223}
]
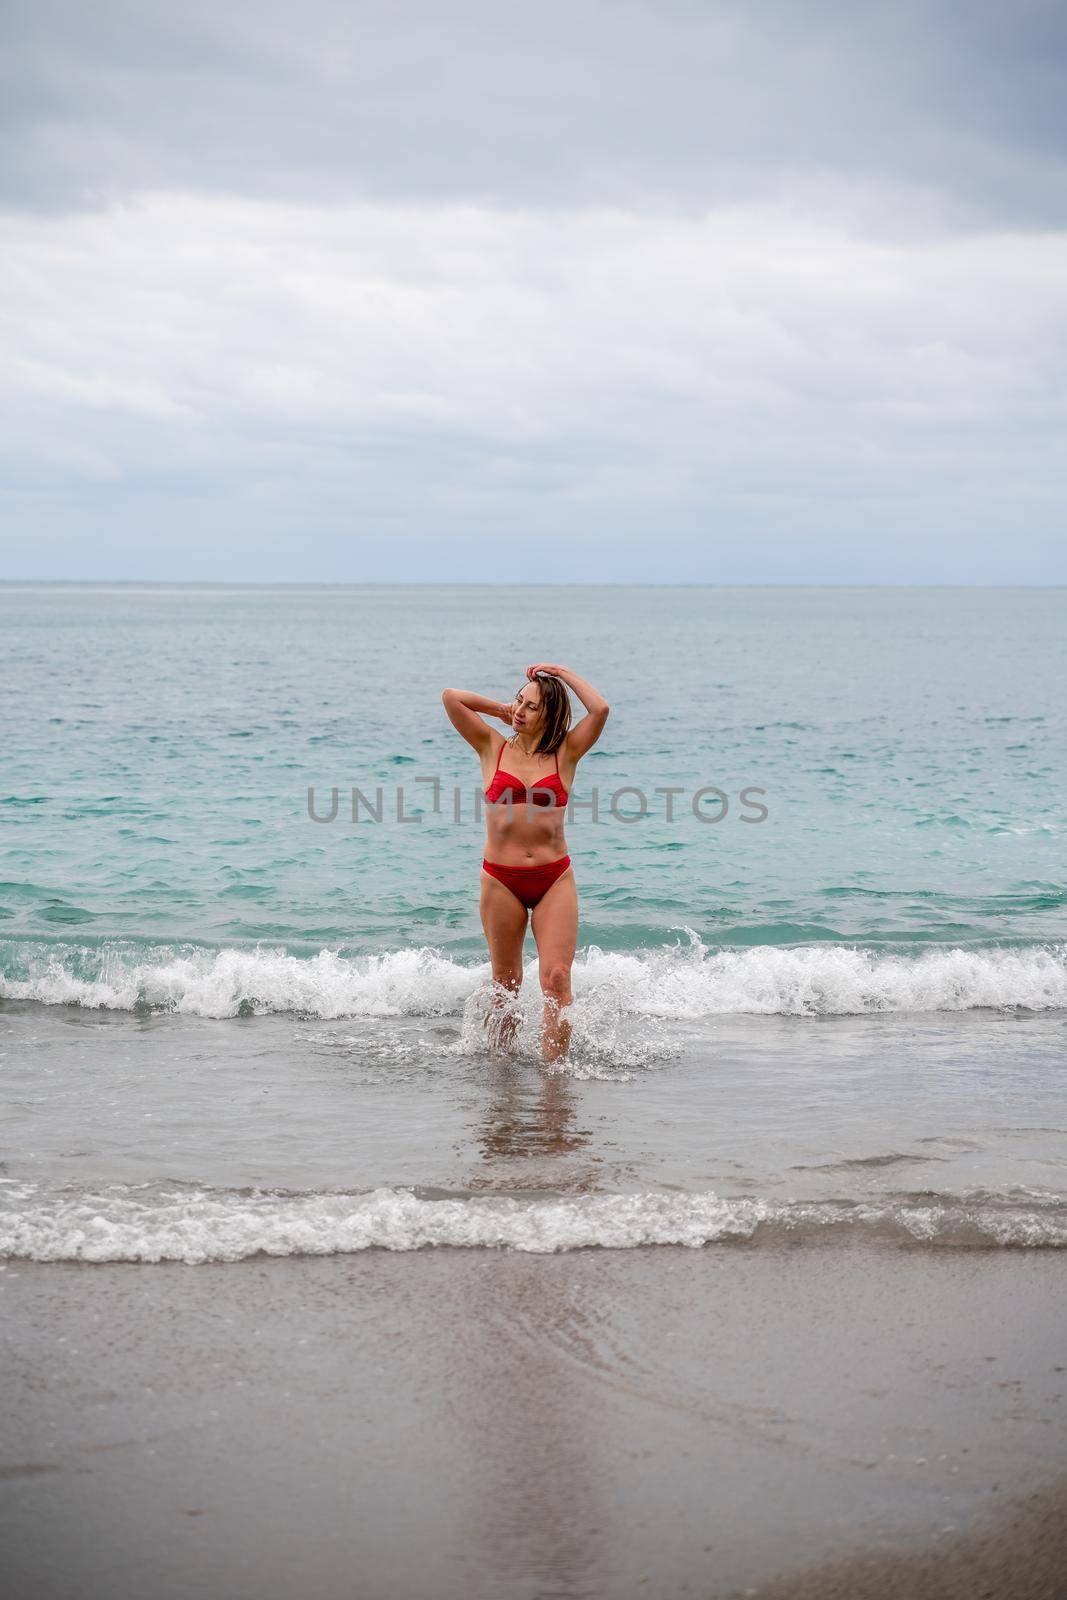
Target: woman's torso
[{"x": 525, "y": 834}]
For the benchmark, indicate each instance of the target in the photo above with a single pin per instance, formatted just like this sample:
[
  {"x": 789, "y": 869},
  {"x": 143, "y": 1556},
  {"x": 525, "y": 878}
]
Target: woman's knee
[
  {"x": 508, "y": 978},
  {"x": 556, "y": 980}
]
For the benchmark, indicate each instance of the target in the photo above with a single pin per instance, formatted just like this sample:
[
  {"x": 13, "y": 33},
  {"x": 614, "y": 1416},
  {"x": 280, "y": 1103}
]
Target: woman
[{"x": 527, "y": 871}]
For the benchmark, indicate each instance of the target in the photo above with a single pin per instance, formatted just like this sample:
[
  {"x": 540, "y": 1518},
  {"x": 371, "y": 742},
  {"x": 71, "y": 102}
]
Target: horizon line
[{"x": 473, "y": 583}]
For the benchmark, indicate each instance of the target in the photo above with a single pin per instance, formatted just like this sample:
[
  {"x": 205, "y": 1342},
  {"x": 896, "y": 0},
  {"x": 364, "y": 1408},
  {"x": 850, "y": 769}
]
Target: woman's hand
[
  {"x": 506, "y": 712},
  {"x": 543, "y": 666}
]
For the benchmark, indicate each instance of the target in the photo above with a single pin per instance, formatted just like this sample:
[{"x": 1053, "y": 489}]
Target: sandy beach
[{"x": 810, "y": 1420}]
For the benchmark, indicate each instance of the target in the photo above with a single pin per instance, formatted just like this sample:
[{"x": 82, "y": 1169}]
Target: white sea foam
[
  {"x": 683, "y": 980},
  {"x": 228, "y": 982},
  {"x": 152, "y": 1223}
]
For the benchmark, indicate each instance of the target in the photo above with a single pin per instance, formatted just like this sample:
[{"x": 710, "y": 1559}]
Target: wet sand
[
  {"x": 814, "y": 1420},
  {"x": 1020, "y": 1554}
]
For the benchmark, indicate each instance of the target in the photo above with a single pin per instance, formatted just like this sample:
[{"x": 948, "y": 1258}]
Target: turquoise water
[
  {"x": 875, "y": 967},
  {"x": 160, "y": 745}
]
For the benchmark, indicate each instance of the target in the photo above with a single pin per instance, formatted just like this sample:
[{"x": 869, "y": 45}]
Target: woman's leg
[
  {"x": 555, "y": 928},
  {"x": 504, "y": 924}
]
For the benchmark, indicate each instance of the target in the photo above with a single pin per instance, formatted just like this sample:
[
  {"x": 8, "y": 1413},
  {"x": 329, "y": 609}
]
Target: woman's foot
[
  {"x": 503, "y": 1016},
  {"x": 555, "y": 1030}
]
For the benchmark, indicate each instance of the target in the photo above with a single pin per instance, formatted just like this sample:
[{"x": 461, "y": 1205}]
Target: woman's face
[{"x": 527, "y": 713}]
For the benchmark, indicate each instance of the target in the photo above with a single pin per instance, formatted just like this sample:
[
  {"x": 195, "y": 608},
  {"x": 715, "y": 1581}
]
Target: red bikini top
[{"x": 502, "y": 781}]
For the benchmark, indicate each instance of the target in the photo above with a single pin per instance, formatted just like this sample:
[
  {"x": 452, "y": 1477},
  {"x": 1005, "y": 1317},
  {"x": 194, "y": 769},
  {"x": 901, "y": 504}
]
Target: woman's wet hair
[{"x": 556, "y": 704}]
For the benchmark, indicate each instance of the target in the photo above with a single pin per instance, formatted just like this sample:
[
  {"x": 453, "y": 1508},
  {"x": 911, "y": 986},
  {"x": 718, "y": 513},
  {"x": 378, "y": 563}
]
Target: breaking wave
[
  {"x": 682, "y": 980},
  {"x": 188, "y": 1223}
]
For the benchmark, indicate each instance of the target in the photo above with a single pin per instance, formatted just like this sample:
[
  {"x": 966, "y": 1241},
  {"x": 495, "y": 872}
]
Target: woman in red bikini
[{"x": 527, "y": 871}]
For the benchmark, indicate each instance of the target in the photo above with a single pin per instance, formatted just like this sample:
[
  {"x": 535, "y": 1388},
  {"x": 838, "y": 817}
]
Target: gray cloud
[
  {"x": 193, "y": 375},
  {"x": 567, "y": 102},
  {"x": 721, "y": 292}
]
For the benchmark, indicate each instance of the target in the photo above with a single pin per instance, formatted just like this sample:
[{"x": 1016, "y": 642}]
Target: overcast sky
[{"x": 678, "y": 291}]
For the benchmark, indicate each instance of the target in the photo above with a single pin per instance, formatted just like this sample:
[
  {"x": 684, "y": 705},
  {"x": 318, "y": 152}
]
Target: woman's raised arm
[
  {"x": 463, "y": 707},
  {"x": 585, "y": 733}
]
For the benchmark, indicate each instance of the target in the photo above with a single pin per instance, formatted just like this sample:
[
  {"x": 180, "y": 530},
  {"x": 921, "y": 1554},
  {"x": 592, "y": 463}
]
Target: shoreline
[{"x": 465, "y": 1423}]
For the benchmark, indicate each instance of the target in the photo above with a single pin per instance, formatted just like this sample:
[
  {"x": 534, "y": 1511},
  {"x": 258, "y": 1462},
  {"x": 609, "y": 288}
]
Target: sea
[{"x": 820, "y": 992}]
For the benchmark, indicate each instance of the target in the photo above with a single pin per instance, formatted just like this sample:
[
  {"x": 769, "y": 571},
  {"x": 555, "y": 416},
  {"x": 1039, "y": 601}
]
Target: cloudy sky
[{"x": 719, "y": 291}]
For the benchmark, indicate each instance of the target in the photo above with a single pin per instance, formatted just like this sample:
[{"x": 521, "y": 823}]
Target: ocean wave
[
  {"x": 191, "y": 1224},
  {"x": 682, "y": 980}
]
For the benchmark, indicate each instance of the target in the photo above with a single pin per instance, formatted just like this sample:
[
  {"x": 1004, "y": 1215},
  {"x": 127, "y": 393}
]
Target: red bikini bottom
[{"x": 528, "y": 884}]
